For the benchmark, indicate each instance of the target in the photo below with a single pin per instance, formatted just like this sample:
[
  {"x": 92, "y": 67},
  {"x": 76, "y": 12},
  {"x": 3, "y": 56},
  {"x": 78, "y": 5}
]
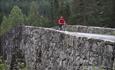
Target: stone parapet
[
  {"x": 50, "y": 49},
  {"x": 90, "y": 29}
]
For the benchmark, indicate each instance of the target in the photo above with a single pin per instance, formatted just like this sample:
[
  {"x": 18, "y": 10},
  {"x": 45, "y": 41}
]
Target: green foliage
[
  {"x": 2, "y": 65},
  {"x": 83, "y": 12},
  {"x": 44, "y": 22},
  {"x": 4, "y": 26},
  {"x": 15, "y": 18},
  {"x": 33, "y": 16},
  {"x": 64, "y": 9},
  {"x": 1, "y": 17},
  {"x": 35, "y": 19}
]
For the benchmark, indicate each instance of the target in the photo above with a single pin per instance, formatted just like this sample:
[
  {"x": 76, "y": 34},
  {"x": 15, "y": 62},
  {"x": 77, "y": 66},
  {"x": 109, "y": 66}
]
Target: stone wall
[
  {"x": 50, "y": 49},
  {"x": 11, "y": 52},
  {"x": 90, "y": 29}
]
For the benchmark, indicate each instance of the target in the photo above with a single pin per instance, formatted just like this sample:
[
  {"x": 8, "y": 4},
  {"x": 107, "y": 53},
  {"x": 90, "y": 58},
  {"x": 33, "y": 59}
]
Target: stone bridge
[{"x": 79, "y": 48}]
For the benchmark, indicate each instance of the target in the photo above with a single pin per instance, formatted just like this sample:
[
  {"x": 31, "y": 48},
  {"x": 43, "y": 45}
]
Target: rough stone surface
[
  {"x": 49, "y": 49},
  {"x": 90, "y": 29},
  {"x": 11, "y": 51}
]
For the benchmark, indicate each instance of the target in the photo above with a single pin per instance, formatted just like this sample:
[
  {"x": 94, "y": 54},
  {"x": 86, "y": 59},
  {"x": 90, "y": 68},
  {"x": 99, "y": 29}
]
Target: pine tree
[
  {"x": 15, "y": 18},
  {"x": 3, "y": 26},
  {"x": 33, "y": 16},
  {"x": 35, "y": 19}
]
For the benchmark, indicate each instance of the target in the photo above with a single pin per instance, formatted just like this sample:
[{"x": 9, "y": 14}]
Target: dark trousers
[{"x": 60, "y": 27}]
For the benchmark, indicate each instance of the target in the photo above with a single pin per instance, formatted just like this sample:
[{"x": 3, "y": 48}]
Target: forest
[{"x": 44, "y": 13}]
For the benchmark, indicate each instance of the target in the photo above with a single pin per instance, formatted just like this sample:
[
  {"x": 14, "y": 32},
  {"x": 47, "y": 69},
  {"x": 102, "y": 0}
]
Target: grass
[{"x": 2, "y": 67}]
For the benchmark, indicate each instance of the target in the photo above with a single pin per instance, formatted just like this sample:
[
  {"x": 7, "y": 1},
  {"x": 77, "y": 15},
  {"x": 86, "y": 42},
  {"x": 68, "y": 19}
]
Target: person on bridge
[{"x": 61, "y": 22}]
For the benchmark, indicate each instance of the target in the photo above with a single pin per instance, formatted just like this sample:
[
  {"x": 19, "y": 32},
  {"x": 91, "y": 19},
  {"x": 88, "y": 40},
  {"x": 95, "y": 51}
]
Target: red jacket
[{"x": 61, "y": 21}]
